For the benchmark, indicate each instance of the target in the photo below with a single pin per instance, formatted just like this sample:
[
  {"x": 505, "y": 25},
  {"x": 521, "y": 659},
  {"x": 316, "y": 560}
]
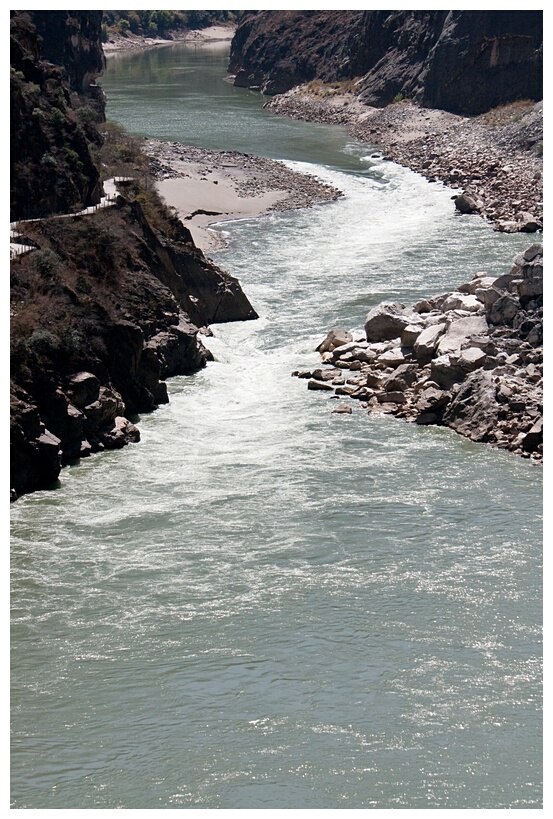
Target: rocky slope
[
  {"x": 106, "y": 305},
  {"x": 104, "y": 310},
  {"x": 471, "y": 359},
  {"x": 55, "y": 57},
  {"x": 461, "y": 61}
]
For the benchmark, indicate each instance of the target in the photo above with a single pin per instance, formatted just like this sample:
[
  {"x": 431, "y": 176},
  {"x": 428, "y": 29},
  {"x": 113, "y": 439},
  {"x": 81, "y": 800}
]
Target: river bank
[
  {"x": 494, "y": 159},
  {"x": 135, "y": 42},
  {"x": 207, "y": 187}
]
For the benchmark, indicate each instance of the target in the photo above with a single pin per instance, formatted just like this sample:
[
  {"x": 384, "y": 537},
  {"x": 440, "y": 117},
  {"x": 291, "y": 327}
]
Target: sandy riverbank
[
  {"x": 208, "y": 187},
  {"x": 133, "y": 42}
]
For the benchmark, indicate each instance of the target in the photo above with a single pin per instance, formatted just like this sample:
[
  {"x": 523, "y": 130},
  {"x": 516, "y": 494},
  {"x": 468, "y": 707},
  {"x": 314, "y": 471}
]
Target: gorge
[{"x": 264, "y": 604}]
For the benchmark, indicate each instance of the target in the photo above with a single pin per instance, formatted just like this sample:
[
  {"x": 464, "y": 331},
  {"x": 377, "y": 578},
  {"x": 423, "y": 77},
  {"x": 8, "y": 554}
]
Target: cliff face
[
  {"x": 104, "y": 306},
  {"x": 275, "y": 50},
  {"x": 465, "y": 62},
  {"x": 104, "y": 310},
  {"x": 55, "y": 56}
]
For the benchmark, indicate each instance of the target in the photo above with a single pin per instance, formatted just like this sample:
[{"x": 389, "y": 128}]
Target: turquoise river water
[{"x": 264, "y": 605}]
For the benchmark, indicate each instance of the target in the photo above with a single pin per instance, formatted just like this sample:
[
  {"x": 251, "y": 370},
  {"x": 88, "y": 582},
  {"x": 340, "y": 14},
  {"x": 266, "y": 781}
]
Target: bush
[
  {"x": 44, "y": 343},
  {"x": 57, "y": 118},
  {"x": 45, "y": 261}
]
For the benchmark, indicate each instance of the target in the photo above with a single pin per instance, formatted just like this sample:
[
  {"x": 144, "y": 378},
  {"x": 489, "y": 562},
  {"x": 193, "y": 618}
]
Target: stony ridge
[{"x": 105, "y": 310}]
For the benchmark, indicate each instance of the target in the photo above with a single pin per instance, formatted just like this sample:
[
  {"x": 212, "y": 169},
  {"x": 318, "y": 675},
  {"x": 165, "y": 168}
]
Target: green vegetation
[{"x": 154, "y": 23}]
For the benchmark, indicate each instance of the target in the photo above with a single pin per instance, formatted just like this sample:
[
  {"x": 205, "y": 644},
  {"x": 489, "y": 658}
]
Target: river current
[{"x": 264, "y": 605}]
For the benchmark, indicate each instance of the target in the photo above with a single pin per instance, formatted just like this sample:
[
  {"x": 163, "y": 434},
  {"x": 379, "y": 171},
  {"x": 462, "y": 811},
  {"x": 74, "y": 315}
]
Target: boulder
[
  {"x": 528, "y": 223},
  {"x": 325, "y": 374},
  {"x": 450, "y": 369},
  {"x": 473, "y": 411},
  {"x": 472, "y": 358},
  {"x": 391, "y": 358},
  {"x": 467, "y": 203},
  {"x": 503, "y": 309},
  {"x": 319, "y": 385},
  {"x": 386, "y": 321},
  {"x": 120, "y": 432},
  {"x": 462, "y": 301},
  {"x": 107, "y": 406},
  {"x": 534, "y": 437},
  {"x": 391, "y": 397},
  {"x": 342, "y": 409},
  {"x": 479, "y": 282},
  {"x": 83, "y": 388},
  {"x": 459, "y": 332},
  {"x": 336, "y": 338},
  {"x": 410, "y": 334},
  {"x": 427, "y": 342},
  {"x": 432, "y": 399},
  {"x": 403, "y": 376}
]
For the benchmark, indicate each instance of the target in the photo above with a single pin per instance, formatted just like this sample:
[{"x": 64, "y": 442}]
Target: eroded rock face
[
  {"x": 479, "y": 373},
  {"x": 461, "y": 61},
  {"x": 55, "y": 57},
  {"x": 111, "y": 342}
]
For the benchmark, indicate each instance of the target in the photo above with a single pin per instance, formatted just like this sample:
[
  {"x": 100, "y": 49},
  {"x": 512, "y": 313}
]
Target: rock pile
[{"x": 471, "y": 360}]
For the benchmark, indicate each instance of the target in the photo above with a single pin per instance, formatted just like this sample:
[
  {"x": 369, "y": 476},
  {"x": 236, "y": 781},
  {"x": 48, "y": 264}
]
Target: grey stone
[
  {"x": 336, "y": 338},
  {"x": 410, "y": 334},
  {"x": 459, "y": 332},
  {"x": 83, "y": 388},
  {"x": 427, "y": 342},
  {"x": 403, "y": 376},
  {"x": 462, "y": 301},
  {"x": 391, "y": 358},
  {"x": 386, "y": 321},
  {"x": 503, "y": 310},
  {"x": 473, "y": 410},
  {"x": 534, "y": 437},
  {"x": 465, "y": 203},
  {"x": 391, "y": 397},
  {"x": 319, "y": 385}
]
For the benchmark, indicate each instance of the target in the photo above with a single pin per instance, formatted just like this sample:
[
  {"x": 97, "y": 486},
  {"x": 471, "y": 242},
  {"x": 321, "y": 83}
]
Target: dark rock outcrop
[
  {"x": 104, "y": 306},
  {"x": 461, "y": 61},
  {"x": 55, "y": 56},
  {"x": 103, "y": 311},
  {"x": 478, "y": 371}
]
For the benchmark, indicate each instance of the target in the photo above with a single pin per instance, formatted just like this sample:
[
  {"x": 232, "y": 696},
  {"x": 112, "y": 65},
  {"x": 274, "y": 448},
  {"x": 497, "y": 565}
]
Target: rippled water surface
[{"x": 264, "y": 605}]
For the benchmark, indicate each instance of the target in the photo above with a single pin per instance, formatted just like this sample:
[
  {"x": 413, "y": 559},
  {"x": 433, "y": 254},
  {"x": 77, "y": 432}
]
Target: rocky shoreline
[
  {"x": 492, "y": 161},
  {"x": 107, "y": 307},
  {"x": 471, "y": 360}
]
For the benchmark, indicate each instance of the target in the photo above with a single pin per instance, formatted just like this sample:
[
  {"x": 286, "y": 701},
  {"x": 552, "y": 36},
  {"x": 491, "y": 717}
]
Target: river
[{"x": 264, "y": 605}]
